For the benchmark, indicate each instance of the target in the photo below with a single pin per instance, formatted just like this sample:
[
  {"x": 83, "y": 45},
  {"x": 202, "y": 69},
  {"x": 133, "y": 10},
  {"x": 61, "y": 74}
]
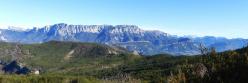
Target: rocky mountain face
[{"x": 130, "y": 37}]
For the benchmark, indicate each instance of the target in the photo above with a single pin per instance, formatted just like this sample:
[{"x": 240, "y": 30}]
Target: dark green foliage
[
  {"x": 154, "y": 69},
  {"x": 24, "y": 70},
  {"x": 14, "y": 68},
  {"x": 212, "y": 67},
  {"x": 226, "y": 67},
  {"x": 96, "y": 63}
]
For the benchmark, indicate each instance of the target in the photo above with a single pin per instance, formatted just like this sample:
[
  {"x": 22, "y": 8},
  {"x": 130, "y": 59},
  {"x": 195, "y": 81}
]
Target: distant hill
[
  {"x": 108, "y": 63},
  {"x": 212, "y": 67},
  {"x": 54, "y": 55},
  {"x": 130, "y": 37}
]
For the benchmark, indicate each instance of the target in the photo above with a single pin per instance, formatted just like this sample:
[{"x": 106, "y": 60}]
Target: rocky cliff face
[{"x": 127, "y": 36}]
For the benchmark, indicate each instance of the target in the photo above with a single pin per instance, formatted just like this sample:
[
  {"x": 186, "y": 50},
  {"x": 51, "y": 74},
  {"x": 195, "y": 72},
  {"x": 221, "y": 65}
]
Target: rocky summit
[{"x": 131, "y": 37}]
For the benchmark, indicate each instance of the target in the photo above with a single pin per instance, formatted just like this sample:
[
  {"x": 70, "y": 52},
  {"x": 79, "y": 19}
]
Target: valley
[
  {"x": 75, "y": 62},
  {"x": 123, "y": 41}
]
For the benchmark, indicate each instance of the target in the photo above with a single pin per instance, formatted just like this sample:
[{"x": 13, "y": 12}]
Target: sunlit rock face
[{"x": 130, "y": 37}]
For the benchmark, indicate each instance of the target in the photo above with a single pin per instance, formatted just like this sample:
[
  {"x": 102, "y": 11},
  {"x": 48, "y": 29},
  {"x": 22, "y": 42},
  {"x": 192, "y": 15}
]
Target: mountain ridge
[{"x": 147, "y": 42}]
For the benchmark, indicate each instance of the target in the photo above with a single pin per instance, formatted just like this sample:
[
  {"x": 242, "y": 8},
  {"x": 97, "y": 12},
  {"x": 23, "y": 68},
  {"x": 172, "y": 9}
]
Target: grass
[{"x": 46, "y": 79}]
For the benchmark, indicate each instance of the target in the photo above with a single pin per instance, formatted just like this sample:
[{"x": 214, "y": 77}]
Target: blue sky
[{"x": 227, "y": 18}]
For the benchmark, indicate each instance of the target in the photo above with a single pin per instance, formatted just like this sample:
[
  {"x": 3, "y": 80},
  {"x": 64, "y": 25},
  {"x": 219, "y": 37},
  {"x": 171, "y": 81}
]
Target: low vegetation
[{"x": 68, "y": 62}]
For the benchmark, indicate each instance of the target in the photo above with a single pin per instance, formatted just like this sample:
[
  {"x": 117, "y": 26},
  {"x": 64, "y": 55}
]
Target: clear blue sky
[{"x": 228, "y": 18}]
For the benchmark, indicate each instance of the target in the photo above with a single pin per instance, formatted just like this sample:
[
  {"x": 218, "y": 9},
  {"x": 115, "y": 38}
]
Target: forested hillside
[{"x": 70, "y": 62}]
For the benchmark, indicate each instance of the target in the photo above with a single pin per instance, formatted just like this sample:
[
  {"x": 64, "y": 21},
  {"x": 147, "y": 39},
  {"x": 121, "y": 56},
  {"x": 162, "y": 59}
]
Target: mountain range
[{"x": 131, "y": 37}]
